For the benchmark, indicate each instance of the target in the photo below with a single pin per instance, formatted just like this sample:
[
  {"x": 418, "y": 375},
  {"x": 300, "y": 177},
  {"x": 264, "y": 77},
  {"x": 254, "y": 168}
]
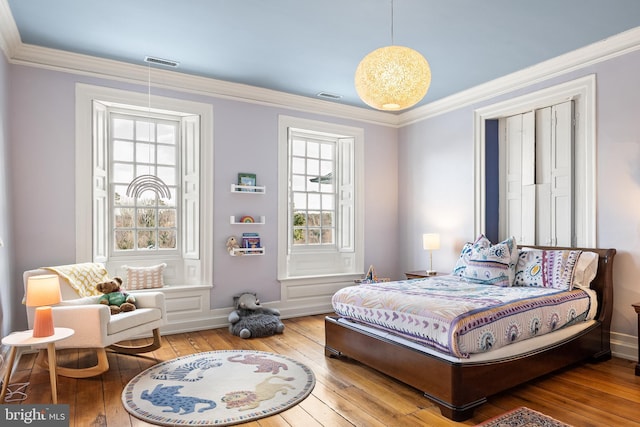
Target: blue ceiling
[{"x": 305, "y": 47}]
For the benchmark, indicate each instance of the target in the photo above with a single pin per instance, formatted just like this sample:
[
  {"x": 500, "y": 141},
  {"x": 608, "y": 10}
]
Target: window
[
  {"x": 312, "y": 190},
  {"x": 143, "y": 183},
  {"x": 320, "y": 206}
]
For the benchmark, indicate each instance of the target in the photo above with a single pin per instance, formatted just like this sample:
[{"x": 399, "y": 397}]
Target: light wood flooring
[{"x": 346, "y": 392}]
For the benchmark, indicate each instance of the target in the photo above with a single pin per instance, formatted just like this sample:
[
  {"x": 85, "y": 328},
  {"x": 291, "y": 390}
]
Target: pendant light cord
[
  {"x": 392, "y": 23},
  {"x": 148, "y": 87}
]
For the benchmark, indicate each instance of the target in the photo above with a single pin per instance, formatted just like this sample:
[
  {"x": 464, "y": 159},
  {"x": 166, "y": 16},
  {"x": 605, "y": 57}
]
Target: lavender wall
[
  {"x": 245, "y": 136},
  {"x": 436, "y": 181},
  {"x": 7, "y": 309}
]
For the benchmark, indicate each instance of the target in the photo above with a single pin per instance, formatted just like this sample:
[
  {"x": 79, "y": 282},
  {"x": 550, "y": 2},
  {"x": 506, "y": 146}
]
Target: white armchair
[{"x": 95, "y": 327}]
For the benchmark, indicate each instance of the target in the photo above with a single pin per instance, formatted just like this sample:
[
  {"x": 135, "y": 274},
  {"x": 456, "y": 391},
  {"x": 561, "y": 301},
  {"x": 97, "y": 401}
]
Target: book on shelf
[{"x": 251, "y": 240}]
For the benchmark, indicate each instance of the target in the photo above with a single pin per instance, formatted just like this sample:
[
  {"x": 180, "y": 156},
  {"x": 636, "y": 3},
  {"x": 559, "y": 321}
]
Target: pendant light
[{"x": 392, "y": 78}]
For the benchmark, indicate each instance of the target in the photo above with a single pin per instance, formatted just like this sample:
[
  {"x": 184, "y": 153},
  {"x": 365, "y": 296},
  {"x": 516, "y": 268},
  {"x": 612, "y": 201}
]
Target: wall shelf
[
  {"x": 237, "y": 220},
  {"x": 248, "y": 189},
  {"x": 247, "y": 251},
  {"x": 241, "y": 219}
]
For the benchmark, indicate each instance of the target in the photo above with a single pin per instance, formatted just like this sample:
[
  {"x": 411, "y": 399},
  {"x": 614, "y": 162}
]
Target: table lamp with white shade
[
  {"x": 431, "y": 242},
  {"x": 42, "y": 292}
]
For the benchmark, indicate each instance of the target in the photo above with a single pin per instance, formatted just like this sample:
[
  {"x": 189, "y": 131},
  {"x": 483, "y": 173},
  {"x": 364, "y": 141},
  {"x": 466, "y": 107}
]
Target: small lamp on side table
[
  {"x": 42, "y": 292},
  {"x": 431, "y": 242}
]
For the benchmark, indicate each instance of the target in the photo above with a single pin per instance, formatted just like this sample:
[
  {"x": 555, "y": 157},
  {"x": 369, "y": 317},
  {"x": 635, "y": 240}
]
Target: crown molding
[
  {"x": 600, "y": 51},
  {"x": 9, "y": 35},
  {"x": 36, "y": 56}
]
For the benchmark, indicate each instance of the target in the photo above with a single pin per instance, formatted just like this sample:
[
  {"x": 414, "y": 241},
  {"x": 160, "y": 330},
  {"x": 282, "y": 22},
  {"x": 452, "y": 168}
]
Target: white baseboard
[
  {"x": 218, "y": 318},
  {"x": 624, "y": 346}
]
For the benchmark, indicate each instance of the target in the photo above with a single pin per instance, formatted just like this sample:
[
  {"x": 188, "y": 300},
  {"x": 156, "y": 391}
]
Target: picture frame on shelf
[{"x": 247, "y": 179}]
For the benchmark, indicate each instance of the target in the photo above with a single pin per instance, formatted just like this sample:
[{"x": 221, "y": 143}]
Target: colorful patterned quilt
[{"x": 459, "y": 318}]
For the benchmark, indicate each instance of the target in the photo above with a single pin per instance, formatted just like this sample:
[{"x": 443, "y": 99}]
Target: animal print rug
[{"x": 217, "y": 388}]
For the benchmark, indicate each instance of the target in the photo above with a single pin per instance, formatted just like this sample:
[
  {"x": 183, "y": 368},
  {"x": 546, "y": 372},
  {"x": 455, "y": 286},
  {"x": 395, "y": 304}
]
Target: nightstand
[
  {"x": 419, "y": 274},
  {"x": 26, "y": 339},
  {"x": 636, "y": 306}
]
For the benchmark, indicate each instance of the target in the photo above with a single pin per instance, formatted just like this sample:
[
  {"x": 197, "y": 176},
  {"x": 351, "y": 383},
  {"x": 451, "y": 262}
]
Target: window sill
[
  {"x": 174, "y": 288},
  {"x": 328, "y": 278}
]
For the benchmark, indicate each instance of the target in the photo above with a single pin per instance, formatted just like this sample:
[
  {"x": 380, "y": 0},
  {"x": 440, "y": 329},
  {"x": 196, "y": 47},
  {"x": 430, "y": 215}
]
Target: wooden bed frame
[{"x": 458, "y": 388}]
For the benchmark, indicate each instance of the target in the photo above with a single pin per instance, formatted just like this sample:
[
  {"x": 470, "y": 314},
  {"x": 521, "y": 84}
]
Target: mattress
[{"x": 459, "y": 318}]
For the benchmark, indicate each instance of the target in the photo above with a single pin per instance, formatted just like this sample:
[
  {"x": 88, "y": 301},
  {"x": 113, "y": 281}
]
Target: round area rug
[{"x": 217, "y": 388}]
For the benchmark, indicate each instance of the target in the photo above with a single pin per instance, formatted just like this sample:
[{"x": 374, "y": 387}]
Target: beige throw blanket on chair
[{"x": 82, "y": 277}]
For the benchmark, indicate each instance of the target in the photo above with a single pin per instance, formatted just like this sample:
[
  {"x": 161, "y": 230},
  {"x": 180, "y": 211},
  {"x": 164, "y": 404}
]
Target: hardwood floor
[{"x": 346, "y": 392}]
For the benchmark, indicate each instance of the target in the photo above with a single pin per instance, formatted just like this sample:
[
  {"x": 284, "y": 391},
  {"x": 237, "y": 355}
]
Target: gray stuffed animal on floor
[{"x": 251, "y": 320}]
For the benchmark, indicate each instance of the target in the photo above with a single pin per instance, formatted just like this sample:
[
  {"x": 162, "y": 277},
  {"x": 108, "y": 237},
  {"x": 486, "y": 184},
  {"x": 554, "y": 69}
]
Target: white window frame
[
  {"x": 343, "y": 260},
  {"x": 583, "y": 92},
  {"x": 191, "y": 270}
]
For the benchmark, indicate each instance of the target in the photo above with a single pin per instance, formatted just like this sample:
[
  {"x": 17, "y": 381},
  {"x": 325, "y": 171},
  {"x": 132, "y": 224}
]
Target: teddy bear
[
  {"x": 117, "y": 300},
  {"x": 251, "y": 320},
  {"x": 232, "y": 244}
]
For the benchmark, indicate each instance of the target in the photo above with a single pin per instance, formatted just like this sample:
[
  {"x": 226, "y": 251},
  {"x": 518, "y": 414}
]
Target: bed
[{"x": 460, "y": 384}]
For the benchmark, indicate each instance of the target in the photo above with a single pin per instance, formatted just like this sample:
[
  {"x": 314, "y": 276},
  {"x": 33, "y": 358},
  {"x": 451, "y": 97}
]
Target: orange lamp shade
[{"x": 43, "y": 291}]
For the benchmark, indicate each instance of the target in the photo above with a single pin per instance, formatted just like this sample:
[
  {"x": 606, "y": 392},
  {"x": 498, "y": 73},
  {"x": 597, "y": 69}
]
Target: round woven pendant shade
[{"x": 392, "y": 78}]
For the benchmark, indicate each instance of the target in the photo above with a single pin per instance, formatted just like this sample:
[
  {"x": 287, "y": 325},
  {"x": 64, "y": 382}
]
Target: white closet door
[
  {"x": 536, "y": 176},
  {"x": 528, "y": 235},
  {"x": 543, "y": 176},
  {"x": 562, "y": 174},
  {"x": 510, "y": 199},
  {"x": 517, "y": 178}
]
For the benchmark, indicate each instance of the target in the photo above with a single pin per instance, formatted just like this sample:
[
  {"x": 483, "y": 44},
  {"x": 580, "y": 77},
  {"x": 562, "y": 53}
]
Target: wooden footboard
[{"x": 459, "y": 388}]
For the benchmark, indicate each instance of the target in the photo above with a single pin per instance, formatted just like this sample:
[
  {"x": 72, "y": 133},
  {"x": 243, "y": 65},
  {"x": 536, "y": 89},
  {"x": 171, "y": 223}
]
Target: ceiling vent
[
  {"x": 160, "y": 61},
  {"x": 328, "y": 95}
]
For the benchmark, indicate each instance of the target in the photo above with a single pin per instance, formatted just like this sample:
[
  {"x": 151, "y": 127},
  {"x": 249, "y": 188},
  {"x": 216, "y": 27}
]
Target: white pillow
[
  {"x": 585, "y": 270},
  {"x": 144, "y": 277}
]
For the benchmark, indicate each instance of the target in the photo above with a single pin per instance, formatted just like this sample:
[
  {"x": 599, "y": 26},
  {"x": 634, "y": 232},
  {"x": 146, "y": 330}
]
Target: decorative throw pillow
[
  {"x": 467, "y": 249},
  {"x": 145, "y": 277},
  {"x": 546, "y": 268},
  {"x": 493, "y": 264}
]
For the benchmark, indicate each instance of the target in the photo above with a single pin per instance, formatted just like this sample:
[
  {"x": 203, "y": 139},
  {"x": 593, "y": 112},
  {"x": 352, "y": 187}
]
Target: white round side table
[{"x": 26, "y": 339}]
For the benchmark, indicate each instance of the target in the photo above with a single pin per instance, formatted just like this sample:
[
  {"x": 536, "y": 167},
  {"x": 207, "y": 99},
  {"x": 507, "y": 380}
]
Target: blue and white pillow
[
  {"x": 466, "y": 252},
  {"x": 491, "y": 264}
]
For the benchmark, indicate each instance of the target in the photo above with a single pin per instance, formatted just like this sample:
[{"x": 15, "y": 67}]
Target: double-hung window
[
  {"x": 320, "y": 205},
  {"x": 313, "y": 191},
  {"x": 143, "y": 183}
]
